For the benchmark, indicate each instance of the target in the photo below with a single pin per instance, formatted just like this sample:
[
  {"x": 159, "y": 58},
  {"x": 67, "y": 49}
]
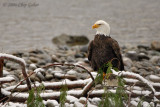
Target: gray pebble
[
  {"x": 78, "y": 104},
  {"x": 95, "y": 101},
  {"x": 84, "y": 49},
  {"x": 34, "y": 78},
  {"x": 132, "y": 55},
  {"x": 134, "y": 69},
  {"x": 55, "y": 58},
  {"x": 142, "y": 56},
  {"x": 49, "y": 76},
  {"x": 40, "y": 76},
  {"x": 155, "y": 59},
  {"x": 32, "y": 67},
  {"x": 79, "y": 55},
  {"x": 70, "y": 59},
  {"x": 33, "y": 59},
  {"x": 128, "y": 62}
]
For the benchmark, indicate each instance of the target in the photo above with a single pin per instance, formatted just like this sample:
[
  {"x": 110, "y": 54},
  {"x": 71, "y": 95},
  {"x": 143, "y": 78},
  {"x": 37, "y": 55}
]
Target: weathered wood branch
[
  {"x": 21, "y": 62},
  {"x": 52, "y": 86},
  {"x": 133, "y": 75}
]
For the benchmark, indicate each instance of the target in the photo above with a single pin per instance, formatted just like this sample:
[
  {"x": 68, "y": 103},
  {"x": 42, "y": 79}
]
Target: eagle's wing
[
  {"x": 116, "y": 49},
  {"x": 90, "y": 47}
]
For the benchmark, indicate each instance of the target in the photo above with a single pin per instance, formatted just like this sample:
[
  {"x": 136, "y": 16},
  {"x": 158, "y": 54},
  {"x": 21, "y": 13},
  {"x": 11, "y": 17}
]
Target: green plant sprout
[
  {"x": 35, "y": 100},
  {"x": 63, "y": 95}
]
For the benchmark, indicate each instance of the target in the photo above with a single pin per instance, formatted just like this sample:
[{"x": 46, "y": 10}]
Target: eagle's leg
[{"x": 106, "y": 75}]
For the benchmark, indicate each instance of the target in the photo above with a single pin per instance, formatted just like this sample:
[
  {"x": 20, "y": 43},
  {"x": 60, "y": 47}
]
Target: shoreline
[{"x": 142, "y": 60}]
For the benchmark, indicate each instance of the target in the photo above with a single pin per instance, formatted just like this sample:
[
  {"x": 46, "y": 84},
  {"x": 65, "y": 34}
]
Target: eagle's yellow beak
[{"x": 95, "y": 26}]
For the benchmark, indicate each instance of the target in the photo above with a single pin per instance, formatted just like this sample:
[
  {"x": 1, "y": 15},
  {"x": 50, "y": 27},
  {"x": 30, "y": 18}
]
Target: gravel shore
[{"x": 143, "y": 60}]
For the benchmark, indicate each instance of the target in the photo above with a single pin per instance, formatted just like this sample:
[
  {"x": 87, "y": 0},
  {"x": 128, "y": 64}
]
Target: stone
[
  {"x": 51, "y": 103},
  {"x": 33, "y": 59},
  {"x": 67, "y": 105},
  {"x": 127, "y": 61},
  {"x": 82, "y": 100},
  {"x": 50, "y": 70},
  {"x": 95, "y": 101},
  {"x": 28, "y": 62},
  {"x": 71, "y": 99},
  {"x": 154, "y": 78},
  {"x": 9, "y": 64},
  {"x": 126, "y": 68},
  {"x": 25, "y": 54},
  {"x": 142, "y": 56},
  {"x": 132, "y": 55},
  {"x": 79, "y": 55},
  {"x": 70, "y": 59},
  {"x": 84, "y": 49},
  {"x": 90, "y": 105},
  {"x": 82, "y": 75},
  {"x": 40, "y": 76},
  {"x": 134, "y": 69},
  {"x": 71, "y": 105},
  {"x": 60, "y": 68},
  {"x": 42, "y": 63},
  {"x": 71, "y": 72},
  {"x": 34, "y": 78},
  {"x": 32, "y": 67},
  {"x": 55, "y": 59},
  {"x": 14, "y": 66},
  {"x": 137, "y": 64},
  {"x": 155, "y": 45},
  {"x": 78, "y": 104},
  {"x": 18, "y": 53},
  {"x": 146, "y": 63},
  {"x": 70, "y": 40},
  {"x": 49, "y": 76},
  {"x": 36, "y": 51},
  {"x": 63, "y": 59},
  {"x": 153, "y": 53},
  {"x": 143, "y": 72},
  {"x": 142, "y": 50},
  {"x": 99, "y": 86},
  {"x": 155, "y": 60},
  {"x": 143, "y": 46},
  {"x": 63, "y": 47}
]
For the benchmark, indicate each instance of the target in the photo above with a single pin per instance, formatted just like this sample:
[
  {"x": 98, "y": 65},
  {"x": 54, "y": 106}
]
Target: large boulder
[
  {"x": 155, "y": 45},
  {"x": 70, "y": 40}
]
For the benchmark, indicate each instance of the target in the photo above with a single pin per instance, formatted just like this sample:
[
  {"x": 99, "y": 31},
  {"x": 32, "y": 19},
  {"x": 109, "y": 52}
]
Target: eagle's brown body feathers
[{"x": 103, "y": 49}]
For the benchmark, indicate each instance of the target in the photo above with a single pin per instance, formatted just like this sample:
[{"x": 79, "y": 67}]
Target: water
[{"x": 23, "y": 27}]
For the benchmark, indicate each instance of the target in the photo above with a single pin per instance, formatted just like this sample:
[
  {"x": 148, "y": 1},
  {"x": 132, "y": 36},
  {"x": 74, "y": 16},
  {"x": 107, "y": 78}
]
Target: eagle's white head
[{"x": 102, "y": 27}]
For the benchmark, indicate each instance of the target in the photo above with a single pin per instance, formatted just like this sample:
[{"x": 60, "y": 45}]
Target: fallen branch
[
  {"x": 6, "y": 80},
  {"x": 21, "y": 62},
  {"x": 135, "y": 93},
  {"x": 53, "y": 86},
  {"x": 133, "y": 75}
]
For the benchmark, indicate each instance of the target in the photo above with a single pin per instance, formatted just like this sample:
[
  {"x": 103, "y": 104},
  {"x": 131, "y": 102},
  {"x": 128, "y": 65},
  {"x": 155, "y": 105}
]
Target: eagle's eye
[{"x": 99, "y": 24}]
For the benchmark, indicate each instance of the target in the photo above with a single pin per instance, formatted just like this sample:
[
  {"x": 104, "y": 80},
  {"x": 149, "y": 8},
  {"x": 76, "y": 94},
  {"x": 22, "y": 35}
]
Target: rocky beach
[
  {"x": 143, "y": 60},
  {"x": 48, "y": 41}
]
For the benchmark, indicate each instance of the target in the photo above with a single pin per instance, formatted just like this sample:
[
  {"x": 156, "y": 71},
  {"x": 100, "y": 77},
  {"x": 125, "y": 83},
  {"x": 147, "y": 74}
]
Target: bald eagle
[{"x": 104, "y": 48}]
